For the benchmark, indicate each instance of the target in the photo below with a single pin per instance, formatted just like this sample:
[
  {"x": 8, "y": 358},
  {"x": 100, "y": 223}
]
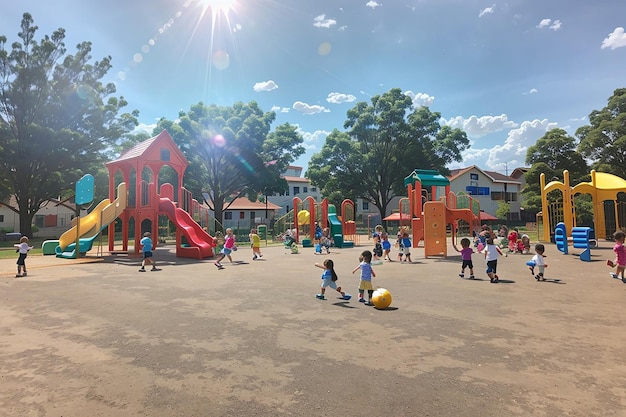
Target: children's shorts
[
  {"x": 406, "y": 251},
  {"x": 147, "y": 254},
  {"x": 467, "y": 264},
  {"x": 492, "y": 266},
  {"x": 328, "y": 282},
  {"x": 21, "y": 259},
  {"x": 365, "y": 285},
  {"x": 227, "y": 251}
]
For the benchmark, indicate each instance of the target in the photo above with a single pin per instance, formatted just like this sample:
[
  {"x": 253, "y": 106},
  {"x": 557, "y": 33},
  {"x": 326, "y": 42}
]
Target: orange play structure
[
  {"x": 603, "y": 189},
  {"x": 140, "y": 167},
  {"x": 342, "y": 229},
  {"x": 432, "y": 211}
]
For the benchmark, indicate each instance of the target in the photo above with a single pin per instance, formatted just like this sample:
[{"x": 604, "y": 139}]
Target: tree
[
  {"x": 503, "y": 210},
  {"x": 604, "y": 140},
  {"x": 553, "y": 153},
  {"x": 56, "y": 118},
  {"x": 232, "y": 152},
  {"x": 384, "y": 142}
]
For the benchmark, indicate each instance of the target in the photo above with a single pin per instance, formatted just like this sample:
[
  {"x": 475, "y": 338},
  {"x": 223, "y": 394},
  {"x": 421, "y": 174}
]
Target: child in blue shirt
[
  {"x": 367, "y": 273},
  {"x": 329, "y": 279},
  {"x": 146, "y": 249}
]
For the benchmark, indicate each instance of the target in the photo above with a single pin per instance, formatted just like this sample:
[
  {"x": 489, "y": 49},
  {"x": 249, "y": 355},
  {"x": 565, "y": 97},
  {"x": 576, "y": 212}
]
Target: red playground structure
[{"x": 140, "y": 167}]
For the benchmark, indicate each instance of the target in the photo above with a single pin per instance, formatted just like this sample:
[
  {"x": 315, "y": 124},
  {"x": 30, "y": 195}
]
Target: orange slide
[{"x": 201, "y": 244}]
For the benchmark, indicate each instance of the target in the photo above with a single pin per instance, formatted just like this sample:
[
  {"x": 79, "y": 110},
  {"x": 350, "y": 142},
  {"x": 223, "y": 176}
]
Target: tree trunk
[{"x": 26, "y": 221}]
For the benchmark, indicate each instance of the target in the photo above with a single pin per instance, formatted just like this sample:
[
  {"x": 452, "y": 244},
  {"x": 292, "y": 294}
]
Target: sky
[{"x": 505, "y": 72}]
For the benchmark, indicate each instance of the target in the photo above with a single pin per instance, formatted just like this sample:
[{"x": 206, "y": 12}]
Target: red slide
[{"x": 200, "y": 242}]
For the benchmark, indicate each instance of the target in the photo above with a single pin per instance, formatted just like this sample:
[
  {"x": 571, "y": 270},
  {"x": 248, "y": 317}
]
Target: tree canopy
[
  {"x": 383, "y": 143},
  {"x": 604, "y": 140},
  {"x": 232, "y": 151},
  {"x": 56, "y": 118},
  {"x": 553, "y": 153}
]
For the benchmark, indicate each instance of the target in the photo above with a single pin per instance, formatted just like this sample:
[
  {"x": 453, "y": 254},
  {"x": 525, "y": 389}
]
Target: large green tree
[
  {"x": 603, "y": 141},
  {"x": 233, "y": 152},
  {"x": 553, "y": 153},
  {"x": 383, "y": 143},
  {"x": 56, "y": 118}
]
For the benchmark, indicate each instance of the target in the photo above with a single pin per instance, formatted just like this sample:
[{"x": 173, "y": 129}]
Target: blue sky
[{"x": 505, "y": 72}]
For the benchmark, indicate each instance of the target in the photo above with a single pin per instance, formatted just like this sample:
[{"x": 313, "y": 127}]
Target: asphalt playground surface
[{"x": 94, "y": 337}]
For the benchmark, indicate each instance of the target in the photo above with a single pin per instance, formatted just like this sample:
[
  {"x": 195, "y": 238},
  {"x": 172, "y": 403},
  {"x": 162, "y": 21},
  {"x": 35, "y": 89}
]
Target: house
[
  {"x": 489, "y": 188},
  {"x": 51, "y": 220},
  {"x": 298, "y": 186},
  {"x": 245, "y": 214}
]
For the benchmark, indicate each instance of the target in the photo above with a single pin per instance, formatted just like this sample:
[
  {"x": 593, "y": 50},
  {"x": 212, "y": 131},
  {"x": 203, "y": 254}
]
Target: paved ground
[{"x": 101, "y": 339}]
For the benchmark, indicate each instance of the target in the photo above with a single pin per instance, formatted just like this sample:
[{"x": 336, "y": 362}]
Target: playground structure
[
  {"x": 342, "y": 230},
  {"x": 138, "y": 209},
  {"x": 609, "y": 215},
  {"x": 431, "y": 211}
]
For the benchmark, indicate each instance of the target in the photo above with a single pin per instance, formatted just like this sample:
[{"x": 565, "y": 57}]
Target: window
[
  {"x": 296, "y": 190},
  {"x": 1, "y": 218},
  {"x": 313, "y": 189},
  {"x": 502, "y": 196},
  {"x": 252, "y": 215},
  {"x": 366, "y": 205},
  {"x": 165, "y": 154},
  {"x": 474, "y": 177},
  {"x": 228, "y": 215},
  {"x": 287, "y": 192},
  {"x": 242, "y": 215},
  {"x": 477, "y": 190},
  {"x": 305, "y": 189}
]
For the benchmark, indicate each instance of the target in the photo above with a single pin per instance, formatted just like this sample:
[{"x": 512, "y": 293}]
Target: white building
[
  {"x": 489, "y": 188},
  {"x": 298, "y": 186}
]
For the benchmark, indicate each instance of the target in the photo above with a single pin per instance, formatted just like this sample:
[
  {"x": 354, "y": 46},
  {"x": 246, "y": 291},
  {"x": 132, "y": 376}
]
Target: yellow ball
[{"x": 381, "y": 299}]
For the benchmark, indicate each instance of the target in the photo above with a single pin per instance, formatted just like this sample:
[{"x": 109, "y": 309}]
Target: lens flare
[{"x": 219, "y": 140}]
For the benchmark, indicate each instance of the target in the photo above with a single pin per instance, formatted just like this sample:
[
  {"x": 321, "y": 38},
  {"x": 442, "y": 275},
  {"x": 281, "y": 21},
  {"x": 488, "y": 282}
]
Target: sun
[{"x": 217, "y": 6}]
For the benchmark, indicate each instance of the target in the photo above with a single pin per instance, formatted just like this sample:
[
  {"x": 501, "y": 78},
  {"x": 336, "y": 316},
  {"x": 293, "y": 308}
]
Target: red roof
[
  {"x": 243, "y": 203},
  {"x": 487, "y": 216}
]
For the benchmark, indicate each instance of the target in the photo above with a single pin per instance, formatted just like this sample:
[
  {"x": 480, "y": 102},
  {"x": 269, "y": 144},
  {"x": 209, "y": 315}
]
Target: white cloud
[
  {"x": 479, "y": 126},
  {"x": 321, "y": 22},
  {"x": 548, "y": 23},
  {"x": 144, "y": 128},
  {"x": 513, "y": 152},
  {"x": 338, "y": 98},
  {"x": 616, "y": 39},
  {"x": 531, "y": 91},
  {"x": 278, "y": 109},
  {"x": 544, "y": 23},
  {"x": 487, "y": 10},
  {"x": 309, "y": 109},
  {"x": 313, "y": 140},
  {"x": 265, "y": 86},
  {"x": 373, "y": 4},
  {"x": 420, "y": 99}
]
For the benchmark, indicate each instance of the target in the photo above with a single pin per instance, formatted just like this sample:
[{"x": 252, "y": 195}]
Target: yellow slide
[{"x": 101, "y": 216}]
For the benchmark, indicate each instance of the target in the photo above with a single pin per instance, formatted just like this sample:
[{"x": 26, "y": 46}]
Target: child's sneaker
[
  {"x": 462, "y": 275},
  {"x": 254, "y": 258},
  {"x": 610, "y": 263},
  {"x": 24, "y": 274},
  {"x": 471, "y": 277},
  {"x": 613, "y": 275},
  {"x": 369, "y": 303},
  {"x": 319, "y": 296},
  {"x": 155, "y": 269},
  {"x": 142, "y": 270},
  {"x": 18, "y": 275},
  {"x": 361, "y": 300}
]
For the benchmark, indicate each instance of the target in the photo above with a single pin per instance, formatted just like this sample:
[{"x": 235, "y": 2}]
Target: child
[
  {"x": 367, "y": 273},
  {"x": 329, "y": 279},
  {"x": 325, "y": 240},
  {"x": 229, "y": 247},
  {"x": 406, "y": 247},
  {"x": 378, "y": 247},
  {"x": 386, "y": 247},
  {"x": 620, "y": 255},
  {"x": 492, "y": 252},
  {"x": 466, "y": 256},
  {"x": 538, "y": 261},
  {"x": 23, "y": 249},
  {"x": 146, "y": 249},
  {"x": 512, "y": 237},
  {"x": 255, "y": 244}
]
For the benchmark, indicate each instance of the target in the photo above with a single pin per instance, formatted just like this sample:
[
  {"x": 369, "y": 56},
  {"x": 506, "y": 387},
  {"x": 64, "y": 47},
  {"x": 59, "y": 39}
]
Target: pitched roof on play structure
[
  {"x": 427, "y": 177},
  {"x": 606, "y": 181},
  {"x": 160, "y": 149}
]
